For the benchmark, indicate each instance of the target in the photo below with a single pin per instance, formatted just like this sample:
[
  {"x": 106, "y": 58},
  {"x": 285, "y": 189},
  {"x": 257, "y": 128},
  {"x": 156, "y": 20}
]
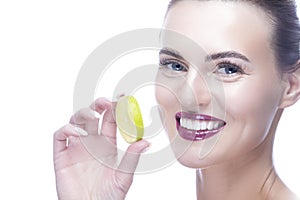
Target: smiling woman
[
  {"x": 261, "y": 64},
  {"x": 223, "y": 89}
]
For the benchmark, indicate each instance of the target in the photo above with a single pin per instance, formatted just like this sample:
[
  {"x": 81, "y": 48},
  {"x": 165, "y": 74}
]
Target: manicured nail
[
  {"x": 81, "y": 131},
  {"x": 95, "y": 114},
  {"x": 147, "y": 148},
  {"x": 120, "y": 95},
  {"x": 108, "y": 99}
]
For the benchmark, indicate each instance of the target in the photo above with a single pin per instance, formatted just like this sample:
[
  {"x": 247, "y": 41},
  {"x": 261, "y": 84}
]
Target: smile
[{"x": 196, "y": 127}]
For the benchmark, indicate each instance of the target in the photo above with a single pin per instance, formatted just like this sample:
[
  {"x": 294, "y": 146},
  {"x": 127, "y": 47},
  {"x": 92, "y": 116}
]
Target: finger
[
  {"x": 100, "y": 105},
  {"x": 61, "y": 136},
  {"x": 124, "y": 174},
  {"x": 87, "y": 119},
  {"x": 109, "y": 126},
  {"x": 83, "y": 115}
]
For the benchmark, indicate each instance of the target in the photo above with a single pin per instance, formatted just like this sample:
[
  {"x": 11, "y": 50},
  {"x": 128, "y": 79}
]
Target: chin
[{"x": 194, "y": 155}]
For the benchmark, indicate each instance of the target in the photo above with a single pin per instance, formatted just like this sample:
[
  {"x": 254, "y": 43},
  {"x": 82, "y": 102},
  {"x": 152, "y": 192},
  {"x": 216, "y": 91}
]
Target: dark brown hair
[{"x": 283, "y": 16}]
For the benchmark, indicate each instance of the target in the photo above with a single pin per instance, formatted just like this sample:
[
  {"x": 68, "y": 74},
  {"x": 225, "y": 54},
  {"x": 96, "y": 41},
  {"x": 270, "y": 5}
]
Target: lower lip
[{"x": 196, "y": 135}]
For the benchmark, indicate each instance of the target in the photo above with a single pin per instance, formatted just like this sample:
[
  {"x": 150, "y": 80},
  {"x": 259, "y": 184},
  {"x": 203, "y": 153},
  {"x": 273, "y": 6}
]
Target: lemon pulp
[{"x": 129, "y": 119}]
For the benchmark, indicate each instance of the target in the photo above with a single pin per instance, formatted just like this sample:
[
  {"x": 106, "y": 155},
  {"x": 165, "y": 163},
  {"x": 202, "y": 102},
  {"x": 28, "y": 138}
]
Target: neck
[{"x": 251, "y": 176}]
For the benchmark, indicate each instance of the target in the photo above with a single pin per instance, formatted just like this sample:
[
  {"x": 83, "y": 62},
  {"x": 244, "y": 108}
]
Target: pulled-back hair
[{"x": 286, "y": 38}]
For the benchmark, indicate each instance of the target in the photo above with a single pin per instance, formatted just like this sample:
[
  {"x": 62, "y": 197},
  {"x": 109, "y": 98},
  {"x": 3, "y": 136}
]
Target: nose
[{"x": 195, "y": 92}]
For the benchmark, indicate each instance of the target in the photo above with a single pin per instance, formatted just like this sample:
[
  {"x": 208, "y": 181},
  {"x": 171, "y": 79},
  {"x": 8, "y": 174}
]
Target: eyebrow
[
  {"x": 172, "y": 53},
  {"x": 210, "y": 57},
  {"x": 226, "y": 54}
]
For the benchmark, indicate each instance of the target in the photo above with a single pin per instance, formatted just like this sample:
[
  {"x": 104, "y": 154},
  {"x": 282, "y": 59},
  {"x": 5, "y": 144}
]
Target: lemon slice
[{"x": 129, "y": 119}]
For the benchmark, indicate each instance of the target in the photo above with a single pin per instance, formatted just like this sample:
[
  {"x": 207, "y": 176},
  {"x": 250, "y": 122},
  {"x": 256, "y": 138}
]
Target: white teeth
[
  {"x": 199, "y": 125},
  {"x": 210, "y": 125},
  {"x": 194, "y": 124},
  {"x": 203, "y": 126},
  {"x": 216, "y": 125},
  {"x": 190, "y": 124}
]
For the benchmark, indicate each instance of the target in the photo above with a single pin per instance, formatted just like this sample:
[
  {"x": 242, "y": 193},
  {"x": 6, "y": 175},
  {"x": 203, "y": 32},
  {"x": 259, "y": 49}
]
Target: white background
[{"x": 42, "y": 47}]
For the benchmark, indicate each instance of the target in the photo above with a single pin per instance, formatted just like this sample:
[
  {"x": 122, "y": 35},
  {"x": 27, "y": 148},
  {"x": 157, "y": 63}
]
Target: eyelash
[
  {"x": 164, "y": 62},
  {"x": 226, "y": 63}
]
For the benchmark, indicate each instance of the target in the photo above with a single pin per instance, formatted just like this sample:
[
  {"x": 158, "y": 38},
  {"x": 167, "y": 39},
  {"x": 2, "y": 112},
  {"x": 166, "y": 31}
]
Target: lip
[{"x": 197, "y": 135}]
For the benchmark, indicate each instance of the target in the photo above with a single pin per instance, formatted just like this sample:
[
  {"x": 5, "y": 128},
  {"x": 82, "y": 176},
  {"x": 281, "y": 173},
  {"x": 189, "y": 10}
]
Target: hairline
[{"x": 271, "y": 19}]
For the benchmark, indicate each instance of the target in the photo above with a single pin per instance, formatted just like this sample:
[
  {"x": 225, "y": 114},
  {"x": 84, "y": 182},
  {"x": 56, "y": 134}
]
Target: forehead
[{"x": 220, "y": 26}]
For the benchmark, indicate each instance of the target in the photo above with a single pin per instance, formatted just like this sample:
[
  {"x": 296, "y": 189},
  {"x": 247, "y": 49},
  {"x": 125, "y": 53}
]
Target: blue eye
[
  {"x": 173, "y": 65},
  {"x": 176, "y": 66},
  {"x": 229, "y": 69}
]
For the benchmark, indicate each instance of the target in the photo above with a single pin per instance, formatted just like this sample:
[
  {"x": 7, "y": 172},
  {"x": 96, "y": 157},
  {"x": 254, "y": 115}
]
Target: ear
[{"x": 292, "y": 91}]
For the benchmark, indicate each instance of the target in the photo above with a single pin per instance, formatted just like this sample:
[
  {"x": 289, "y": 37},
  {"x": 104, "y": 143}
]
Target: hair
[{"x": 286, "y": 38}]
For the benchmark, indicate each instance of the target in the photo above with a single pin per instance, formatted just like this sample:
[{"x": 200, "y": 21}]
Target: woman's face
[{"x": 218, "y": 99}]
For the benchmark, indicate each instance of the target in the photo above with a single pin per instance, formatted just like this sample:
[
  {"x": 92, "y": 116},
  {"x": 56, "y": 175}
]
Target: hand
[{"x": 85, "y": 162}]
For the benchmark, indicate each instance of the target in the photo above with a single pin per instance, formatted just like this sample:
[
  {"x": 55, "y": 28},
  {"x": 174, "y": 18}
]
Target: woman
[{"x": 230, "y": 97}]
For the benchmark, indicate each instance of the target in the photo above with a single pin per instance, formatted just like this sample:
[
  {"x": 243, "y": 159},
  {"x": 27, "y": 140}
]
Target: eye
[
  {"x": 173, "y": 65},
  {"x": 176, "y": 66},
  {"x": 229, "y": 69}
]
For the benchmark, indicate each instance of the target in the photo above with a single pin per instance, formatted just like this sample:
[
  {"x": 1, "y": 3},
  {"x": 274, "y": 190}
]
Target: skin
[
  {"x": 250, "y": 102},
  {"x": 235, "y": 164},
  {"x": 79, "y": 176}
]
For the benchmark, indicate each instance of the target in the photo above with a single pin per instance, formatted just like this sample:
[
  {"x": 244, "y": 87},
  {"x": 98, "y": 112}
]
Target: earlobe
[{"x": 292, "y": 90}]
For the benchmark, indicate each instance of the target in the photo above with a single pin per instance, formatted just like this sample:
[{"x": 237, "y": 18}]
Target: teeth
[
  {"x": 199, "y": 125},
  {"x": 203, "y": 125},
  {"x": 216, "y": 125},
  {"x": 210, "y": 125},
  {"x": 189, "y": 124}
]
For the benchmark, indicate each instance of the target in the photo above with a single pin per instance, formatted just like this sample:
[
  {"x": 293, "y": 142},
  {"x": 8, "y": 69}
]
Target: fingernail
[
  {"x": 108, "y": 99},
  {"x": 147, "y": 148},
  {"x": 81, "y": 131},
  {"x": 119, "y": 96},
  {"x": 95, "y": 114}
]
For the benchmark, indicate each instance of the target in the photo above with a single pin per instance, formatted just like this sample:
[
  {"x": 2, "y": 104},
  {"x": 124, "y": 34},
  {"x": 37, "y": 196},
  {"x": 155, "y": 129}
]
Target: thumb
[{"x": 129, "y": 162}]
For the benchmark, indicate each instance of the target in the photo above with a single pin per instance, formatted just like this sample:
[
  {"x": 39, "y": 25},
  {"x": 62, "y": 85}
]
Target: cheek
[
  {"x": 169, "y": 105},
  {"x": 252, "y": 98},
  {"x": 166, "y": 93},
  {"x": 165, "y": 97},
  {"x": 240, "y": 101},
  {"x": 161, "y": 95},
  {"x": 251, "y": 107}
]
